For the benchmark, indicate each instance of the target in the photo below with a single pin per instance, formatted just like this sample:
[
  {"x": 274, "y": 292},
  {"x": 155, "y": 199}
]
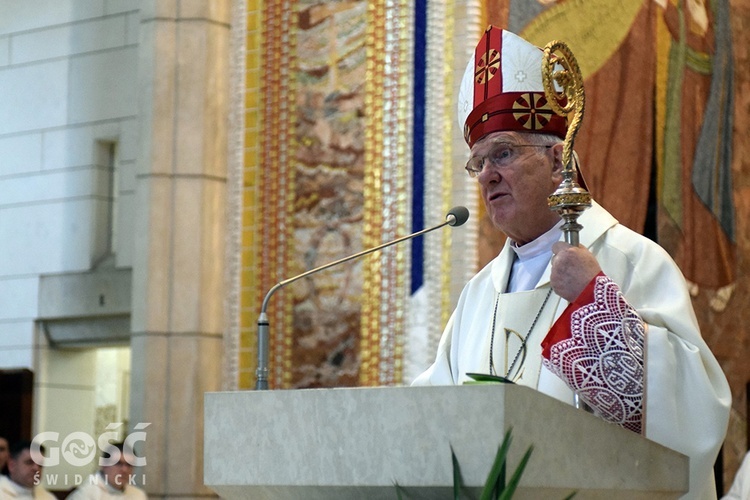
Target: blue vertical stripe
[{"x": 417, "y": 203}]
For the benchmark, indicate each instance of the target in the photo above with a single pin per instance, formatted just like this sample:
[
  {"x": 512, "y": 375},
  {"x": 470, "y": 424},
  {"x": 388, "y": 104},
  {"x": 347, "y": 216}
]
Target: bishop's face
[{"x": 515, "y": 178}]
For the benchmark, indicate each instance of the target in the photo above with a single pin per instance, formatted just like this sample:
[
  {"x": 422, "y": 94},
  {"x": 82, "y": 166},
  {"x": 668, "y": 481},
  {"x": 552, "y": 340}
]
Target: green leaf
[
  {"x": 516, "y": 478},
  {"x": 458, "y": 480},
  {"x": 494, "y": 487},
  {"x": 496, "y": 480},
  {"x": 400, "y": 491},
  {"x": 481, "y": 378}
]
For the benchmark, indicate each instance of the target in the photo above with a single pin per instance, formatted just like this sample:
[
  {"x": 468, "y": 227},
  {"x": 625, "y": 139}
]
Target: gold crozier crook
[
  {"x": 559, "y": 66},
  {"x": 569, "y": 199}
]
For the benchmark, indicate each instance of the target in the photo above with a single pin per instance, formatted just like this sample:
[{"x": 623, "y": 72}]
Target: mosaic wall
[
  {"x": 325, "y": 173},
  {"x": 329, "y": 165}
]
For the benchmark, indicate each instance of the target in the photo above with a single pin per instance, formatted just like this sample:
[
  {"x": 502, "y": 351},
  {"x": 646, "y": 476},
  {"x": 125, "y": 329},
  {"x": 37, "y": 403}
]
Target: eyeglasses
[{"x": 501, "y": 155}]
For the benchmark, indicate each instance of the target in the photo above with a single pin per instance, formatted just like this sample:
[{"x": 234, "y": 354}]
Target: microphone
[{"x": 456, "y": 216}]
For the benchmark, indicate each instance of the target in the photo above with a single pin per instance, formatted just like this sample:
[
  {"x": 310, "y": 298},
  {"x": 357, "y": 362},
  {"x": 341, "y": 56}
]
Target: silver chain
[{"x": 523, "y": 341}]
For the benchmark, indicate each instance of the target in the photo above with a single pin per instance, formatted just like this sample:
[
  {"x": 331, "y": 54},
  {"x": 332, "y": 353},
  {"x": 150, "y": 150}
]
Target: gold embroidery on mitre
[
  {"x": 533, "y": 112},
  {"x": 488, "y": 65}
]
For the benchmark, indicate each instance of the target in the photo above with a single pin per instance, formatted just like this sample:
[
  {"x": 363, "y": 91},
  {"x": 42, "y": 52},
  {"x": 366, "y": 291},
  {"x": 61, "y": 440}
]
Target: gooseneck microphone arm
[{"x": 455, "y": 217}]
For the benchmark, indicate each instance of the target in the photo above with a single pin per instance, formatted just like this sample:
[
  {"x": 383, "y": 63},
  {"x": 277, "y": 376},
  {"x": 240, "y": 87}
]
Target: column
[{"x": 178, "y": 280}]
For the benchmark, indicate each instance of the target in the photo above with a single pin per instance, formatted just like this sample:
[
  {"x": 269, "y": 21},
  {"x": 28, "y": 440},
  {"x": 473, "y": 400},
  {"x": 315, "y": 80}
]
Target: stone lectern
[{"x": 359, "y": 443}]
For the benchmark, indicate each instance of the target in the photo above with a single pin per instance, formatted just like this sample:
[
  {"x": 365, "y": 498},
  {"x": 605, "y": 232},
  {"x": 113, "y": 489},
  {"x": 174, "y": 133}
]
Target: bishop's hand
[{"x": 573, "y": 268}]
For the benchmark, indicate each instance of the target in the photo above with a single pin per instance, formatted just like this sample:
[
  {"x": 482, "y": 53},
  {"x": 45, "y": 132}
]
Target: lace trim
[{"x": 602, "y": 361}]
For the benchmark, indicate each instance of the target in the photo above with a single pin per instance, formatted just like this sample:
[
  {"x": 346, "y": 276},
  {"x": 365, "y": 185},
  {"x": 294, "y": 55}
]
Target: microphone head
[{"x": 457, "y": 216}]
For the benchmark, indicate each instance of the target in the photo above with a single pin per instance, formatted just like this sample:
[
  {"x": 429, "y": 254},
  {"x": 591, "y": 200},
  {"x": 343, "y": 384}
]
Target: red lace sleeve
[
  {"x": 561, "y": 329},
  {"x": 596, "y": 347}
]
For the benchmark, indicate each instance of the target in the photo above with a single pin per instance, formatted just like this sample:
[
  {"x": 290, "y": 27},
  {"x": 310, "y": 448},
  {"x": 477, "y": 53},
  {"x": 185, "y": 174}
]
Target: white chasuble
[{"x": 686, "y": 397}]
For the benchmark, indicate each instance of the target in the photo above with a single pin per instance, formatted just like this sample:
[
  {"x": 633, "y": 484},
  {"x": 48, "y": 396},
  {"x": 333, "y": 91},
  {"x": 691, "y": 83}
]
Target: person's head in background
[
  {"x": 4, "y": 454},
  {"x": 23, "y": 467},
  {"x": 118, "y": 470}
]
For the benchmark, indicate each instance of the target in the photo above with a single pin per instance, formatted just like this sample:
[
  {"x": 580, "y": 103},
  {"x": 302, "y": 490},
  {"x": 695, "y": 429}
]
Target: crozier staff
[{"x": 610, "y": 319}]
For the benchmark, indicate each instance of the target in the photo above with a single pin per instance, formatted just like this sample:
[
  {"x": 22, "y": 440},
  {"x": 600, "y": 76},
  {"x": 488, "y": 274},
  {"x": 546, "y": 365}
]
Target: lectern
[{"x": 358, "y": 443}]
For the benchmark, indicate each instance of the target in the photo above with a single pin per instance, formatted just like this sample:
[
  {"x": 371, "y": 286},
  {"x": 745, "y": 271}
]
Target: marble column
[{"x": 178, "y": 280}]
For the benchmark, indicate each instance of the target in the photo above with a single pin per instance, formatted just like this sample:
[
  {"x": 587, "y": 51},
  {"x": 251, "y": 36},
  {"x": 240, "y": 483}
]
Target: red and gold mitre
[{"x": 502, "y": 89}]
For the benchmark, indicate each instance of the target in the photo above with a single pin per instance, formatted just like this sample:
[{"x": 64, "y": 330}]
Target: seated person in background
[
  {"x": 609, "y": 321},
  {"x": 24, "y": 475},
  {"x": 113, "y": 481}
]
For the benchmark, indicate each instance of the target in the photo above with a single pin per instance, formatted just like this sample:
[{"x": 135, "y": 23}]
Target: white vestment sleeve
[
  {"x": 439, "y": 373},
  {"x": 687, "y": 404}
]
